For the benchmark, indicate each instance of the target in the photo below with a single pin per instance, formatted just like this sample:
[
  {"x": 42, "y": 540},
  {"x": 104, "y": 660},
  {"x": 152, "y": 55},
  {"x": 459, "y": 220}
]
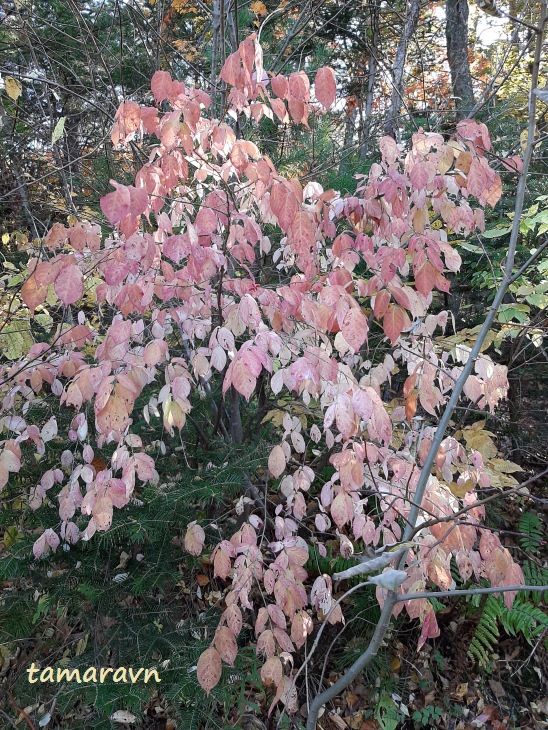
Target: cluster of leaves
[{"x": 220, "y": 270}]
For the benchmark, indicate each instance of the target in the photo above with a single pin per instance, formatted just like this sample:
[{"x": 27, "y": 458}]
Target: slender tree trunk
[
  {"x": 456, "y": 33},
  {"x": 364, "y": 137},
  {"x": 216, "y": 22},
  {"x": 411, "y": 20},
  {"x": 22, "y": 192},
  {"x": 365, "y": 114},
  {"x": 351, "y": 115}
]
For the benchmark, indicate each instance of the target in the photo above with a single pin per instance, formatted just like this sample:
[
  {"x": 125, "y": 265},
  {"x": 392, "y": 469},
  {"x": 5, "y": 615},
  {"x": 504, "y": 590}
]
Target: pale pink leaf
[
  {"x": 161, "y": 85},
  {"x": 272, "y": 671},
  {"x": 234, "y": 619},
  {"x": 209, "y": 669},
  {"x": 394, "y": 321},
  {"x": 341, "y": 509},
  {"x": 325, "y": 86},
  {"x": 39, "y": 546},
  {"x": 194, "y": 539},
  {"x": 425, "y": 277},
  {"x": 354, "y": 328},
  {"x": 221, "y": 565},
  {"x": 430, "y": 628},
  {"x": 280, "y": 86},
  {"x": 102, "y": 513},
  {"x": 242, "y": 379},
  {"x": 69, "y": 285},
  {"x": 283, "y": 640},
  {"x": 276, "y": 462},
  {"x": 266, "y": 644},
  {"x": 225, "y": 643},
  {"x": 116, "y": 205},
  {"x": 301, "y": 627}
]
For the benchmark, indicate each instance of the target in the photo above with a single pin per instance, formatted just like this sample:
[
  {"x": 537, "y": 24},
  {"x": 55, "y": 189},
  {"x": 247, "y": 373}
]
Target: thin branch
[{"x": 469, "y": 592}]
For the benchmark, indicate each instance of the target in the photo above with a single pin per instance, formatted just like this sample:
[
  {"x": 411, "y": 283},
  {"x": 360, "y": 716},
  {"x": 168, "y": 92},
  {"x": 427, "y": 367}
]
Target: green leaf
[
  {"x": 508, "y": 312},
  {"x": 537, "y": 300},
  {"x": 497, "y": 232},
  {"x": 58, "y": 131},
  {"x": 471, "y": 247},
  {"x": 15, "y": 343}
]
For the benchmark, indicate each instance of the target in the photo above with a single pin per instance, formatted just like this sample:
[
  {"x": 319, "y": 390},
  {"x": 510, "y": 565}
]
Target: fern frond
[
  {"x": 531, "y": 525},
  {"x": 526, "y": 619},
  {"x": 487, "y": 632}
]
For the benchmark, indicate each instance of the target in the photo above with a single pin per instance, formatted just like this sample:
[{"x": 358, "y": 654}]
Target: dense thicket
[{"x": 223, "y": 380}]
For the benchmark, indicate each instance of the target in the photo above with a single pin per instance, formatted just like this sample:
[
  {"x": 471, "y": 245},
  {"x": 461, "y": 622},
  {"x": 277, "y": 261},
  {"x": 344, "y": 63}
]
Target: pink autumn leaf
[
  {"x": 325, "y": 86},
  {"x": 39, "y": 546},
  {"x": 283, "y": 640},
  {"x": 69, "y": 285},
  {"x": 341, "y": 509},
  {"x": 354, "y": 328},
  {"x": 209, "y": 669},
  {"x": 272, "y": 671},
  {"x": 102, "y": 513},
  {"x": 144, "y": 465},
  {"x": 116, "y": 205},
  {"x": 430, "y": 628},
  {"x": 234, "y": 619},
  {"x": 284, "y": 205},
  {"x": 242, "y": 379},
  {"x": 425, "y": 277},
  {"x": 221, "y": 565},
  {"x": 299, "y": 86},
  {"x": 280, "y": 86},
  {"x": 301, "y": 627},
  {"x": 138, "y": 201},
  {"x": 276, "y": 462},
  {"x": 161, "y": 85},
  {"x": 266, "y": 644},
  {"x": 225, "y": 643},
  {"x": 194, "y": 539},
  {"x": 52, "y": 539},
  {"x": 394, "y": 321},
  {"x": 231, "y": 72}
]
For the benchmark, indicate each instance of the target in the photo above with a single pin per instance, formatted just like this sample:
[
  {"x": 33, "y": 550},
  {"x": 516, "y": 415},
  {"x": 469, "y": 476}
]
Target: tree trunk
[
  {"x": 351, "y": 115},
  {"x": 364, "y": 140},
  {"x": 216, "y": 24},
  {"x": 456, "y": 33},
  {"x": 413, "y": 12}
]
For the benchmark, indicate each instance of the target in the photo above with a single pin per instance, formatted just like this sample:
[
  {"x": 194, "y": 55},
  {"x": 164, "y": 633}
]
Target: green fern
[
  {"x": 523, "y": 619},
  {"x": 536, "y": 575},
  {"x": 531, "y": 525},
  {"x": 487, "y": 632}
]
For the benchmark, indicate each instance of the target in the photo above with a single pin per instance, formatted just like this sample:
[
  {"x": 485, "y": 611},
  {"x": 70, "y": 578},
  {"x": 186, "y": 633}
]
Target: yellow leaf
[
  {"x": 58, "y": 131},
  {"x": 508, "y": 467},
  {"x": 499, "y": 480},
  {"x": 258, "y": 8},
  {"x": 6, "y": 238},
  {"x": 480, "y": 441},
  {"x": 524, "y": 137},
  {"x": 81, "y": 645},
  {"x": 11, "y": 536},
  {"x": 460, "y": 490},
  {"x": 478, "y": 425},
  {"x": 276, "y": 416},
  {"x": 13, "y": 88}
]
